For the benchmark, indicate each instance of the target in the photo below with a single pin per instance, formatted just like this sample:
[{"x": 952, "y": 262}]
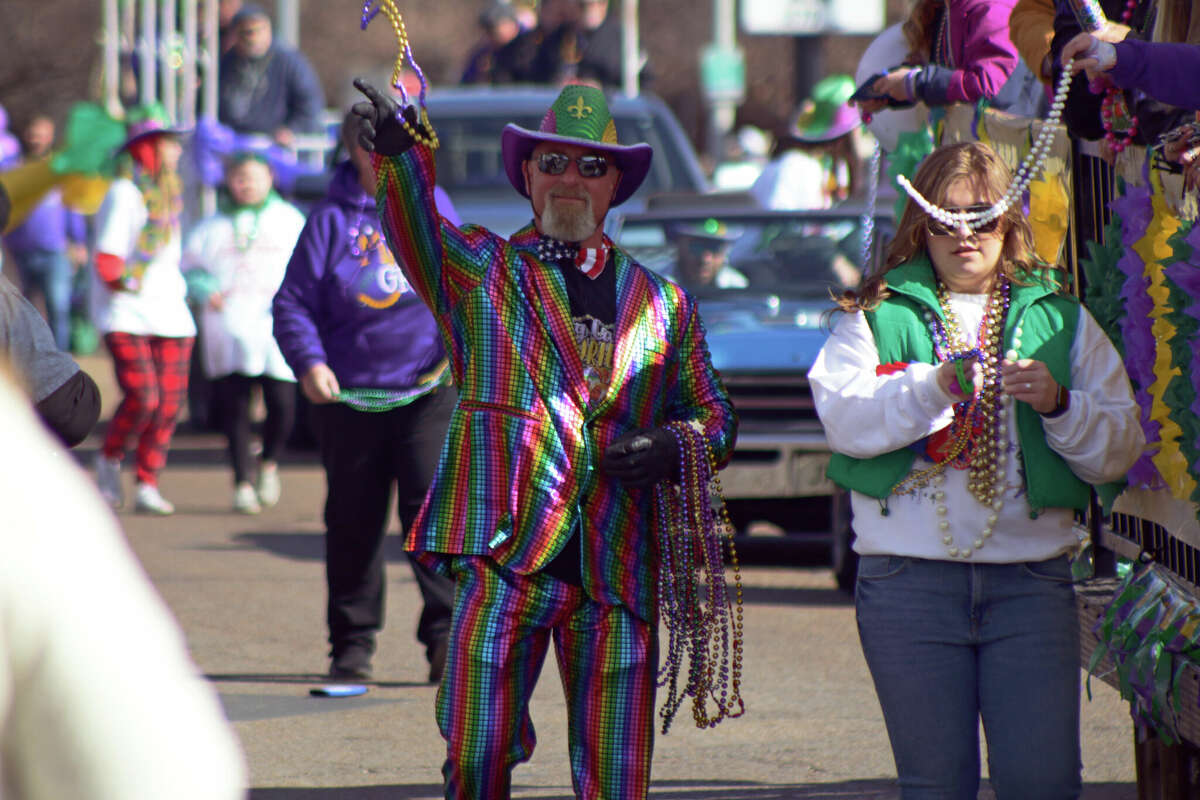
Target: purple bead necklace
[{"x": 703, "y": 626}]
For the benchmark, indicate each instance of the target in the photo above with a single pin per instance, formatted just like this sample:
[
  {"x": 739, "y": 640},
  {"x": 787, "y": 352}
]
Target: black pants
[
  {"x": 365, "y": 454},
  {"x": 232, "y": 395}
]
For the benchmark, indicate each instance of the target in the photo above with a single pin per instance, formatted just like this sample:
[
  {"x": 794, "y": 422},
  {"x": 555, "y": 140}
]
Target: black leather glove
[
  {"x": 642, "y": 458},
  {"x": 378, "y": 128}
]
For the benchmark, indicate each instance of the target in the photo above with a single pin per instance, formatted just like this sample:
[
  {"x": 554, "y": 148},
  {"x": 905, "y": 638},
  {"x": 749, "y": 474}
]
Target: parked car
[
  {"x": 469, "y": 120},
  {"x": 765, "y": 323}
]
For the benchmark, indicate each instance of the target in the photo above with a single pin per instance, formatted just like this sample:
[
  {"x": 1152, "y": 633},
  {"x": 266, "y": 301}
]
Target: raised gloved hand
[
  {"x": 642, "y": 458},
  {"x": 378, "y": 128}
]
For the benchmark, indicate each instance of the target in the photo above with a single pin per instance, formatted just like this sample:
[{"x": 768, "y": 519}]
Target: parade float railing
[{"x": 1141, "y": 632}]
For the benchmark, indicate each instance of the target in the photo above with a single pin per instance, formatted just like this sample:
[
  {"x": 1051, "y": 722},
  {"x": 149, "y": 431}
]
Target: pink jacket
[{"x": 981, "y": 57}]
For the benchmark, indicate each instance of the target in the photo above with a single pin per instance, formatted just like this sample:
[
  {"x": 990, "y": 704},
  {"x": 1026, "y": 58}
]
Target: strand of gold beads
[
  {"x": 986, "y": 471},
  {"x": 418, "y": 131}
]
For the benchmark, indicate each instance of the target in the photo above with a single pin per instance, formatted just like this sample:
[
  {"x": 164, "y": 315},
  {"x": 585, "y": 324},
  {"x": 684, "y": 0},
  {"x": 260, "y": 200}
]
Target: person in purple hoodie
[
  {"x": 369, "y": 359},
  {"x": 49, "y": 243}
]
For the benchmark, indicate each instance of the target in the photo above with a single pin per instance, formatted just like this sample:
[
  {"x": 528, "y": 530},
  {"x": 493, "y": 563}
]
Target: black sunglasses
[
  {"x": 935, "y": 228},
  {"x": 556, "y": 164}
]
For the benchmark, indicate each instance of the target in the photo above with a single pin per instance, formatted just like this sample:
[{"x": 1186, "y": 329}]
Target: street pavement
[{"x": 249, "y": 594}]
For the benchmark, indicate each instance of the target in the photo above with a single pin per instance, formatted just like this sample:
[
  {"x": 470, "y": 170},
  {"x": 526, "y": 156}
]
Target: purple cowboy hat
[
  {"x": 827, "y": 114},
  {"x": 579, "y": 116},
  {"x": 146, "y": 121}
]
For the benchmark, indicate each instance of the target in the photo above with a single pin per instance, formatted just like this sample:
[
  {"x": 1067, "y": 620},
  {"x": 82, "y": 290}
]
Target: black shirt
[{"x": 594, "y": 312}]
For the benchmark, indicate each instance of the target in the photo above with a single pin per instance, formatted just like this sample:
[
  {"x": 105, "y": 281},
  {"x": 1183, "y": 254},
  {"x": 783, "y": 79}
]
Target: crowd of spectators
[{"x": 566, "y": 40}]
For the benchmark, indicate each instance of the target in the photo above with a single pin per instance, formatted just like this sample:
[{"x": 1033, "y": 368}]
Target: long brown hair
[
  {"x": 918, "y": 31},
  {"x": 972, "y": 161}
]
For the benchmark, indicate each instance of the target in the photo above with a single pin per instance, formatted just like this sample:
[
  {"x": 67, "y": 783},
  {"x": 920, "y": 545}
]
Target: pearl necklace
[{"x": 1030, "y": 167}]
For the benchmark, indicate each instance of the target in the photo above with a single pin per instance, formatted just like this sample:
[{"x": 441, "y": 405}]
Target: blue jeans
[
  {"x": 48, "y": 272},
  {"x": 948, "y": 643}
]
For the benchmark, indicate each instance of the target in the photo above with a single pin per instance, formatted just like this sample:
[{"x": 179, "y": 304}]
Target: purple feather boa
[{"x": 1135, "y": 212}]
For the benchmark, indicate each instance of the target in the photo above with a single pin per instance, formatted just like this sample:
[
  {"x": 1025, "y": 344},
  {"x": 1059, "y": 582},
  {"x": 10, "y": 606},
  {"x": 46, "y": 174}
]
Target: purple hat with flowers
[
  {"x": 145, "y": 121},
  {"x": 579, "y": 116}
]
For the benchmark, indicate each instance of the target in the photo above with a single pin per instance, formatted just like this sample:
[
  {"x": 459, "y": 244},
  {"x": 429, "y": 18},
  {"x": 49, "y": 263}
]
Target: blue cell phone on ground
[{"x": 338, "y": 690}]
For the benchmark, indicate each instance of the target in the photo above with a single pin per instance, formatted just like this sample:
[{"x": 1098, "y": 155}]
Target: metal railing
[{"x": 168, "y": 52}]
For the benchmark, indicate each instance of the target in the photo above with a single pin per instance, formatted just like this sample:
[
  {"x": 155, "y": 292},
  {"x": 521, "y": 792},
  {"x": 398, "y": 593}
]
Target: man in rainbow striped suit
[{"x": 569, "y": 358}]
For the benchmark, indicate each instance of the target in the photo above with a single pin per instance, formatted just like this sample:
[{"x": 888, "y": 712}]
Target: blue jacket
[
  {"x": 357, "y": 314},
  {"x": 280, "y": 89},
  {"x": 50, "y": 227}
]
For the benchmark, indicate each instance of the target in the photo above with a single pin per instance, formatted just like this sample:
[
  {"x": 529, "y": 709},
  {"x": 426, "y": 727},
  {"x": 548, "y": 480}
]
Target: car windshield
[
  {"x": 785, "y": 256},
  {"x": 469, "y": 158}
]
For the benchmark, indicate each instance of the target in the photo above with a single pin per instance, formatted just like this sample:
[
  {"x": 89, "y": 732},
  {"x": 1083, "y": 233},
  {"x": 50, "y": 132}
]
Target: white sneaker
[
  {"x": 108, "y": 480},
  {"x": 269, "y": 487},
  {"x": 245, "y": 501},
  {"x": 149, "y": 501}
]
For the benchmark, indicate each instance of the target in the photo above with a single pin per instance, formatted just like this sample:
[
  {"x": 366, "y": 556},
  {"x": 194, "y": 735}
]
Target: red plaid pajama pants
[{"x": 152, "y": 371}]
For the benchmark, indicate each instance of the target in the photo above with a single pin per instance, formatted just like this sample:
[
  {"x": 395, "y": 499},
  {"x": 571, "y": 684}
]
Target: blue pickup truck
[{"x": 765, "y": 311}]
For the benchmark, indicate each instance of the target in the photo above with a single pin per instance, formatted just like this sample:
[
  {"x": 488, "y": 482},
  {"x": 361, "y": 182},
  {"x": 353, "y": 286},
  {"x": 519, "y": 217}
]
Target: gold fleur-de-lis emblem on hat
[{"x": 578, "y": 109}]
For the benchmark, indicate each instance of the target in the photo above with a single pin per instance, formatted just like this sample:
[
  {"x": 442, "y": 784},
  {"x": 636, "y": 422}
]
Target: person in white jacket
[
  {"x": 138, "y": 301},
  {"x": 970, "y": 404},
  {"x": 99, "y": 699},
  {"x": 235, "y": 262}
]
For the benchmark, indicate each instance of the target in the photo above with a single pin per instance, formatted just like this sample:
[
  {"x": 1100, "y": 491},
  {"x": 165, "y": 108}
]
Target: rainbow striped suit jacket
[{"x": 520, "y": 464}]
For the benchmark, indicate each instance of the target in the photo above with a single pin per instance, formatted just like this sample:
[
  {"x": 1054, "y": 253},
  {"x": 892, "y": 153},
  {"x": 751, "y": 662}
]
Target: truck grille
[{"x": 771, "y": 401}]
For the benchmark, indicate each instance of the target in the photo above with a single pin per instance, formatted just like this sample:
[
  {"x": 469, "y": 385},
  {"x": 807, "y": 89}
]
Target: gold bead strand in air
[{"x": 417, "y": 132}]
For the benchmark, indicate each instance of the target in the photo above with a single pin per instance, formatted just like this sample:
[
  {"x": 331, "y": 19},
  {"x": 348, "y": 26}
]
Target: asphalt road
[{"x": 249, "y": 594}]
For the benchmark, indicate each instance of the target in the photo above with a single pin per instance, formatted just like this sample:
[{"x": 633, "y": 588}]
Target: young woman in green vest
[{"x": 970, "y": 402}]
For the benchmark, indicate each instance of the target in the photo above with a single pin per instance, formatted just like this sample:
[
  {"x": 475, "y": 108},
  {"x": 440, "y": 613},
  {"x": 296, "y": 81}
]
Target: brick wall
[{"x": 673, "y": 33}]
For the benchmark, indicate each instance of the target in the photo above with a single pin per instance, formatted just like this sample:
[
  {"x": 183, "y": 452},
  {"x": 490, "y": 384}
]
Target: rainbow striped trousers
[{"x": 607, "y": 656}]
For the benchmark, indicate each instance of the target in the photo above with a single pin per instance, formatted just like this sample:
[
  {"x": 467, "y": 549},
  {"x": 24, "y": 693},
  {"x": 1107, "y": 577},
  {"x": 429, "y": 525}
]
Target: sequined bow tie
[
  {"x": 588, "y": 260},
  {"x": 554, "y": 251}
]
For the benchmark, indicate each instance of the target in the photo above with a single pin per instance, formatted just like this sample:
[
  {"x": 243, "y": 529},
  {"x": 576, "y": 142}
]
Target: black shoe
[
  {"x": 353, "y": 663},
  {"x": 437, "y": 659}
]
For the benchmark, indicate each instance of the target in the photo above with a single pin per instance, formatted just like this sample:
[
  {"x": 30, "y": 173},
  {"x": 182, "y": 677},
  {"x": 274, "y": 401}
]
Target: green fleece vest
[{"x": 1047, "y": 323}]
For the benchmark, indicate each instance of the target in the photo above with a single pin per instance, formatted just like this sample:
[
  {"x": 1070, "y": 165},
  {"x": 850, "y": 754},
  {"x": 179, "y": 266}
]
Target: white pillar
[
  {"x": 169, "y": 75},
  {"x": 189, "y": 84},
  {"x": 147, "y": 52},
  {"x": 722, "y": 109},
  {"x": 631, "y": 56},
  {"x": 286, "y": 29},
  {"x": 210, "y": 56},
  {"x": 112, "y": 58}
]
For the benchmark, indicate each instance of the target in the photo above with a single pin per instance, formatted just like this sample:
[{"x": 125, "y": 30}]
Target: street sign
[
  {"x": 723, "y": 73},
  {"x": 797, "y": 17}
]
